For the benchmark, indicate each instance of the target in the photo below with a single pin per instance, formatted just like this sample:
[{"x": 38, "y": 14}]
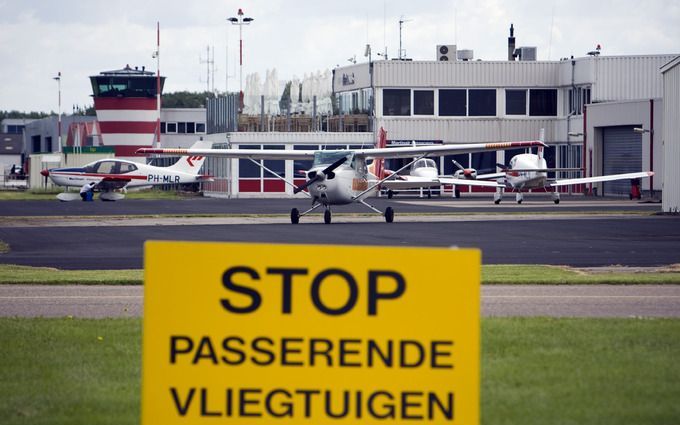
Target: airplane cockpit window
[
  {"x": 424, "y": 163},
  {"x": 127, "y": 167},
  {"x": 106, "y": 167},
  {"x": 329, "y": 157}
]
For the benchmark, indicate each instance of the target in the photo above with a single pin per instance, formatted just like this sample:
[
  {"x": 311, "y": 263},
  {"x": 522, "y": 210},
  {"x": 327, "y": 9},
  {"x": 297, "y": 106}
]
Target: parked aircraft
[
  {"x": 424, "y": 174},
  {"x": 339, "y": 177},
  {"x": 530, "y": 171},
  {"x": 113, "y": 174}
]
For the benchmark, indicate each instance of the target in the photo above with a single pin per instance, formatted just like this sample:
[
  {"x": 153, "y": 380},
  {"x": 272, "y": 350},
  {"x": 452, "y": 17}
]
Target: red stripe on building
[
  {"x": 118, "y": 103},
  {"x": 131, "y": 150},
  {"x": 132, "y": 127}
]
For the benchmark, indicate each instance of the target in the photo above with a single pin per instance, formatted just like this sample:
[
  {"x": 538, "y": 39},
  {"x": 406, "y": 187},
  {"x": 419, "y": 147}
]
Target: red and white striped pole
[{"x": 158, "y": 85}]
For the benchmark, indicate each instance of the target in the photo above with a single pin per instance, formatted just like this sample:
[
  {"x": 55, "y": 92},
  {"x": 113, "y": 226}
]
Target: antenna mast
[{"x": 402, "y": 53}]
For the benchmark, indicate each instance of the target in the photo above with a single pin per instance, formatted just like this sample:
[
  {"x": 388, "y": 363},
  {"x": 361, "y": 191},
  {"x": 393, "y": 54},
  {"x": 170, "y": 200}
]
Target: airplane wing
[
  {"x": 596, "y": 179},
  {"x": 410, "y": 182},
  {"x": 491, "y": 176},
  {"x": 234, "y": 153},
  {"x": 401, "y": 152},
  {"x": 466, "y": 182},
  {"x": 438, "y": 150}
]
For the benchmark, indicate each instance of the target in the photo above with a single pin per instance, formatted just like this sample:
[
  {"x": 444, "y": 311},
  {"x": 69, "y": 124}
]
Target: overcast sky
[{"x": 82, "y": 38}]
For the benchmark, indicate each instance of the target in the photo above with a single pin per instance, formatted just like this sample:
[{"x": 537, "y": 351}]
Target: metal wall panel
[
  {"x": 621, "y": 153},
  {"x": 472, "y": 130},
  {"x": 308, "y": 138},
  {"x": 465, "y": 74},
  {"x": 671, "y": 138},
  {"x": 628, "y": 77}
]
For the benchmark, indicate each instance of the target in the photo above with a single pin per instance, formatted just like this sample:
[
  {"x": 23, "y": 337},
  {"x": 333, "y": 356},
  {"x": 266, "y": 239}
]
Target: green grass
[
  {"x": 491, "y": 274},
  {"x": 58, "y": 371},
  {"x": 580, "y": 371},
  {"x": 555, "y": 275},
  {"x": 13, "y": 274},
  {"x": 534, "y": 371}
]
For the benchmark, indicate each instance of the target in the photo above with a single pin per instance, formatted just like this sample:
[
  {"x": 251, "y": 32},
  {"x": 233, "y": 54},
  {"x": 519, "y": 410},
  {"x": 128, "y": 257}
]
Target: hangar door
[{"x": 621, "y": 153}]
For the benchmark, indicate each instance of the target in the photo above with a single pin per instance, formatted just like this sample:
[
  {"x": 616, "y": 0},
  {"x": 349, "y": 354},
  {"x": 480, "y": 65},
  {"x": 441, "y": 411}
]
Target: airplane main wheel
[
  {"x": 519, "y": 202},
  {"x": 327, "y": 217},
  {"x": 457, "y": 193},
  {"x": 390, "y": 194},
  {"x": 557, "y": 201},
  {"x": 497, "y": 201},
  {"x": 429, "y": 194},
  {"x": 389, "y": 214},
  {"x": 294, "y": 216}
]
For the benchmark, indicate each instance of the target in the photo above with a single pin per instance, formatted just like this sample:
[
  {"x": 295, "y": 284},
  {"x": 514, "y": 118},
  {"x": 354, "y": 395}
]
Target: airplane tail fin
[
  {"x": 191, "y": 163},
  {"x": 377, "y": 167},
  {"x": 541, "y": 137}
]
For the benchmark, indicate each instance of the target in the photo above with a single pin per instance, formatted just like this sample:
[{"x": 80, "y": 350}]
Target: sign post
[{"x": 255, "y": 333}]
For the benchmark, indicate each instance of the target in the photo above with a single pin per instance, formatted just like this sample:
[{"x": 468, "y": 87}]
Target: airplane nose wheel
[
  {"x": 294, "y": 216},
  {"x": 327, "y": 217},
  {"x": 389, "y": 215}
]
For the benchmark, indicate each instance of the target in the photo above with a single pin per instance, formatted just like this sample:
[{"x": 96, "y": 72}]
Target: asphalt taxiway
[{"x": 578, "y": 232}]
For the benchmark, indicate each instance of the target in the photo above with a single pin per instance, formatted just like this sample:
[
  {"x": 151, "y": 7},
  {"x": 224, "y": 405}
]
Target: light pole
[
  {"x": 58, "y": 78},
  {"x": 240, "y": 21}
]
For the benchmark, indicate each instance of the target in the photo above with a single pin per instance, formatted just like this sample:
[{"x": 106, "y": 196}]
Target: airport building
[{"x": 589, "y": 108}]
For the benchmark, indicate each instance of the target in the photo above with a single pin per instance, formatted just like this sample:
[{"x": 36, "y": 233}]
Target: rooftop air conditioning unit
[
  {"x": 446, "y": 52},
  {"x": 526, "y": 53},
  {"x": 465, "y": 55}
]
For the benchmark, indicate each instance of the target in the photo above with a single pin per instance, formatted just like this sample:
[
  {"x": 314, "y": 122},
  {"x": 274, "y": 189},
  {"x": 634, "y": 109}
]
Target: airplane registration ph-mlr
[{"x": 155, "y": 178}]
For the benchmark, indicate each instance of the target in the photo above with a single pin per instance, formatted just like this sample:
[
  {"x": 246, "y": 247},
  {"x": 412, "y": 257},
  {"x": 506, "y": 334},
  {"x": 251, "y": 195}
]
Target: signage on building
[
  {"x": 348, "y": 79},
  {"x": 255, "y": 333}
]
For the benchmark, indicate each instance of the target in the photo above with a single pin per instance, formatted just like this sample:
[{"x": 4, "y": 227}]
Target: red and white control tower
[{"x": 125, "y": 101}]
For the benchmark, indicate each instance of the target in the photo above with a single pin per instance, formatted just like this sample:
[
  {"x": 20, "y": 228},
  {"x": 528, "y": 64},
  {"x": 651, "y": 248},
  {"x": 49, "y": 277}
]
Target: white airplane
[
  {"x": 339, "y": 177},
  {"x": 530, "y": 171},
  {"x": 424, "y": 174},
  {"x": 113, "y": 174}
]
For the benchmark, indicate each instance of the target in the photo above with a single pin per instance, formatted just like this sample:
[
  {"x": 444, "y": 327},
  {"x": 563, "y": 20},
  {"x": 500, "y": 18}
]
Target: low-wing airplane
[
  {"x": 113, "y": 174},
  {"x": 424, "y": 174},
  {"x": 339, "y": 177},
  {"x": 530, "y": 171}
]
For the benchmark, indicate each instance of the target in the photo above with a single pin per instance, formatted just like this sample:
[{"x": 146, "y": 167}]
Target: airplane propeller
[{"x": 321, "y": 175}]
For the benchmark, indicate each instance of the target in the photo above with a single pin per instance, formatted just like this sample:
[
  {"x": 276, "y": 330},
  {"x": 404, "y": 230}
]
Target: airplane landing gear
[
  {"x": 457, "y": 193},
  {"x": 556, "y": 197},
  {"x": 497, "y": 198},
  {"x": 519, "y": 197},
  {"x": 327, "y": 216},
  {"x": 294, "y": 216},
  {"x": 390, "y": 194},
  {"x": 389, "y": 215}
]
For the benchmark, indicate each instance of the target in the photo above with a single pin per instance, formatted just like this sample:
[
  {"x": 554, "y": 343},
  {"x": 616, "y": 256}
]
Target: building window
[
  {"x": 482, "y": 102},
  {"x": 191, "y": 128},
  {"x": 246, "y": 168},
  {"x": 171, "y": 127},
  {"x": 397, "y": 102},
  {"x": 48, "y": 144},
  {"x": 423, "y": 102},
  {"x": 200, "y": 127},
  {"x": 163, "y": 127},
  {"x": 181, "y": 127},
  {"x": 543, "y": 102},
  {"x": 452, "y": 103},
  {"x": 515, "y": 102}
]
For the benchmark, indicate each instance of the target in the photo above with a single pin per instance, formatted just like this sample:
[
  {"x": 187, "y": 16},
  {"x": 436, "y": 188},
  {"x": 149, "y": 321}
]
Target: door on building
[{"x": 621, "y": 153}]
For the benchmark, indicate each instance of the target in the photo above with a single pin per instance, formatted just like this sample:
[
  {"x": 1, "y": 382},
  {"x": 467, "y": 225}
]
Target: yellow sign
[{"x": 253, "y": 333}]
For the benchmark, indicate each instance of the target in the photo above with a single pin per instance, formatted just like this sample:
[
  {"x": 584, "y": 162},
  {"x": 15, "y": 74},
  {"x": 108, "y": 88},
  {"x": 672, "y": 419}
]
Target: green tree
[{"x": 185, "y": 99}]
